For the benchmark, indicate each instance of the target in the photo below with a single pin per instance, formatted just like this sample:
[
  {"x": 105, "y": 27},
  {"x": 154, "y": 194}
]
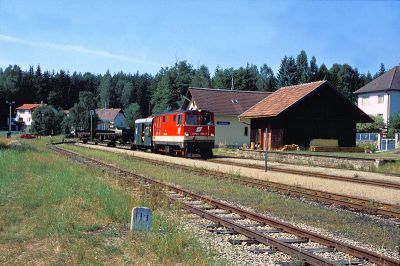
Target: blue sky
[{"x": 143, "y": 36}]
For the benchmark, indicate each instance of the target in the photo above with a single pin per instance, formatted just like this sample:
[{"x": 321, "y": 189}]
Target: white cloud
[{"x": 78, "y": 49}]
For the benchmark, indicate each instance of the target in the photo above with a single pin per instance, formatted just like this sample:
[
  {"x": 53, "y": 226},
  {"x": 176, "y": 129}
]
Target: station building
[
  {"x": 298, "y": 114},
  {"x": 227, "y": 105}
]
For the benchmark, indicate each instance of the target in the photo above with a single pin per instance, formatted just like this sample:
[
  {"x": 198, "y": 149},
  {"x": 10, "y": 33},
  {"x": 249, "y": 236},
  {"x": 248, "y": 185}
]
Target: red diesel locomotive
[{"x": 184, "y": 133}]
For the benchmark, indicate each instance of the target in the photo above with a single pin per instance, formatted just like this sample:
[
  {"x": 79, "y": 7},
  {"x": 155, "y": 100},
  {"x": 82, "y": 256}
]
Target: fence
[
  {"x": 383, "y": 144},
  {"x": 367, "y": 137},
  {"x": 387, "y": 144}
]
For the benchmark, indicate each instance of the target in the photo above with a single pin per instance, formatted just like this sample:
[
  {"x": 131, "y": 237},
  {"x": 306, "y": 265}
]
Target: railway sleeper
[{"x": 223, "y": 231}]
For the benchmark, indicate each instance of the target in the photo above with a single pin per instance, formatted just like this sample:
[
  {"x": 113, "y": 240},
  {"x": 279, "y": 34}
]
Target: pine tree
[
  {"x": 104, "y": 91},
  {"x": 222, "y": 78},
  {"x": 323, "y": 72},
  {"x": 380, "y": 71},
  {"x": 313, "y": 69},
  {"x": 266, "y": 80},
  {"x": 302, "y": 69},
  {"x": 287, "y": 74},
  {"x": 201, "y": 78}
]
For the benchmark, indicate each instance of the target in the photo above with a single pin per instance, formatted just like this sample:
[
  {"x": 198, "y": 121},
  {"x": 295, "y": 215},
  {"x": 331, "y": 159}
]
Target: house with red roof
[
  {"x": 23, "y": 117},
  {"x": 298, "y": 114}
]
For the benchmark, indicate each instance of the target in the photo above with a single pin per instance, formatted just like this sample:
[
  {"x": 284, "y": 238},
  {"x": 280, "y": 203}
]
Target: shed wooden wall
[{"x": 323, "y": 114}]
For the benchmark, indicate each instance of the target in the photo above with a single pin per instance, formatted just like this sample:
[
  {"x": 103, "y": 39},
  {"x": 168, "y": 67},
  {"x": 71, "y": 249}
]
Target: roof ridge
[
  {"x": 394, "y": 73},
  {"x": 290, "y": 87},
  {"x": 304, "y": 84},
  {"x": 226, "y": 90}
]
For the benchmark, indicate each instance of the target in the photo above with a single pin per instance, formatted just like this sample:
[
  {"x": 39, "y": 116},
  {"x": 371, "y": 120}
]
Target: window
[
  {"x": 163, "y": 118},
  {"x": 365, "y": 100},
  {"x": 206, "y": 119},
  {"x": 174, "y": 118},
  {"x": 179, "y": 121},
  {"x": 191, "y": 119},
  {"x": 246, "y": 131},
  {"x": 380, "y": 99}
]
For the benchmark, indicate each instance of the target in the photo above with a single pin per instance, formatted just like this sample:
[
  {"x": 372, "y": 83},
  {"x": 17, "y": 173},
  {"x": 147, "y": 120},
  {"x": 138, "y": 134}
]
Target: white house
[
  {"x": 227, "y": 105},
  {"x": 110, "y": 118},
  {"x": 24, "y": 114},
  {"x": 381, "y": 97}
]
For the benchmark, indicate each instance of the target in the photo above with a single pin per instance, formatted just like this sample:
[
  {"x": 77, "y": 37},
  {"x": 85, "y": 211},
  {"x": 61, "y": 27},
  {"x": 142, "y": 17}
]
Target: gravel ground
[
  {"x": 241, "y": 254},
  {"x": 322, "y": 170},
  {"x": 366, "y": 191},
  {"x": 244, "y": 255}
]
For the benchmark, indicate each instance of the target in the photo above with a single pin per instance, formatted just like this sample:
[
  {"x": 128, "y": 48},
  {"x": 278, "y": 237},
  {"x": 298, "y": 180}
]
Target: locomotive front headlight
[
  {"x": 186, "y": 134},
  {"x": 212, "y": 134}
]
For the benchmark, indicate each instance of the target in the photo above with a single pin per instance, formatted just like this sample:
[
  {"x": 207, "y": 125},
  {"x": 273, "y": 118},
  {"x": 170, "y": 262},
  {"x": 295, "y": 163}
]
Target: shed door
[{"x": 276, "y": 139}]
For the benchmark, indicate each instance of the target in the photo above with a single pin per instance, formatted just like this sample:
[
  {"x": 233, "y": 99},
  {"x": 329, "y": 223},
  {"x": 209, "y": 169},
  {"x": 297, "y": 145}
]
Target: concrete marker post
[{"x": 141, "y": 219}]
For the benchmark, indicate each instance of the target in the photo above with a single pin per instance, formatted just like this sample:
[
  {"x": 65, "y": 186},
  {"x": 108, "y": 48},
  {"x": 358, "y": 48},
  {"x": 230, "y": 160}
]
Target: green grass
[
  {"x": 362, "y": 229},
  {"x": 53, "y": 211}
]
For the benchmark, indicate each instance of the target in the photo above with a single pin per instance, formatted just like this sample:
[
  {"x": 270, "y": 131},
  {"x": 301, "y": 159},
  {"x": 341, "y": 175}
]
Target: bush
[
  {"x": 374, "y": 127},
  {"x": 367, "y": 147}
]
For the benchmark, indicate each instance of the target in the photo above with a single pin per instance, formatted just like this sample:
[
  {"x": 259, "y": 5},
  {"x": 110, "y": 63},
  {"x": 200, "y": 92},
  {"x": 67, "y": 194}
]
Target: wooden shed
[{"x": 297, "y": 114}]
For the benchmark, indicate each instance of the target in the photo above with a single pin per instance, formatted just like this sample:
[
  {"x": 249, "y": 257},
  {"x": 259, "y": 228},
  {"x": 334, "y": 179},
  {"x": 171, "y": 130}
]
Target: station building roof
[{"x": 223, "y": 101}]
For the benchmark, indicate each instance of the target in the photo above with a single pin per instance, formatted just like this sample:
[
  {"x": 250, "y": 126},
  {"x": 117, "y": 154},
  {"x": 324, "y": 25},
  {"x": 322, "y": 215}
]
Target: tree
[
  {"x": 394, "y": 121},
  {"x": 46, "y": 121},
  {"x": 132, "y": 112},
  {"x": 79, "y": 114},
  {"x": 171, "y": 84},
  {"x": 105, "y": 91},
  {"x": 266, "y": 80},
  {"x": 201, "y": 78},
  {"x": 302, "y": 69},
  {"x": 323, "y": 72},
  {"x": 162, "y": 99},
  {"x": 313, "y": 69},
  {"x": 222, "y": 78},
  {"x": 374, "y": 127},
  {"x": 380, "y": 71},
  {"x": 287, "y": 73},
  {"x": 246, "y": 78},
  {"x": 128, "y": 94}
]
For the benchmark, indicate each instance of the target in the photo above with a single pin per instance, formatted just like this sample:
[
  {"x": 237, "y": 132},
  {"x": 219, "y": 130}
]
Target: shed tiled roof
[
  {"x": 281, "y": 100},
  {"x": 29, "y": 106},
  {"x": 107, "y": 114},
  {"x": 388, "y": 81},
  {"x": 225, "y": 102}
]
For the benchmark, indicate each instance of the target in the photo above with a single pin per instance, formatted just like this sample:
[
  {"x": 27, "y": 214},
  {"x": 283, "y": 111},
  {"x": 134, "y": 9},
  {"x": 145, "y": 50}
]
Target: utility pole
[
  {"x": 91, "y": 112},
  {"x": 10, "y": 103}
]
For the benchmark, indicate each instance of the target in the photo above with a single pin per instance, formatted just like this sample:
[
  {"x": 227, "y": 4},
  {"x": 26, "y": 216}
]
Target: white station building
[{"x": 227, "y": 105}]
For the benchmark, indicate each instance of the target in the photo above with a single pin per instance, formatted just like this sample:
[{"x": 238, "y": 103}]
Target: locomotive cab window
[
  {"x": 179, "y": 120},
  {"x": 206, "y": 119},
  {"x": 191, "y": 119},
  {"x": 163, "y": 118}
]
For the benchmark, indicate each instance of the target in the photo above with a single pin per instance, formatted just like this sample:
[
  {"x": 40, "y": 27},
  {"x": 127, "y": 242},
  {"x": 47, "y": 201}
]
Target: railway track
[
  {"x": 255, "y": 231},
  {"x": 363, "y": 181},
  {"x": 358, "y": 204}
]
